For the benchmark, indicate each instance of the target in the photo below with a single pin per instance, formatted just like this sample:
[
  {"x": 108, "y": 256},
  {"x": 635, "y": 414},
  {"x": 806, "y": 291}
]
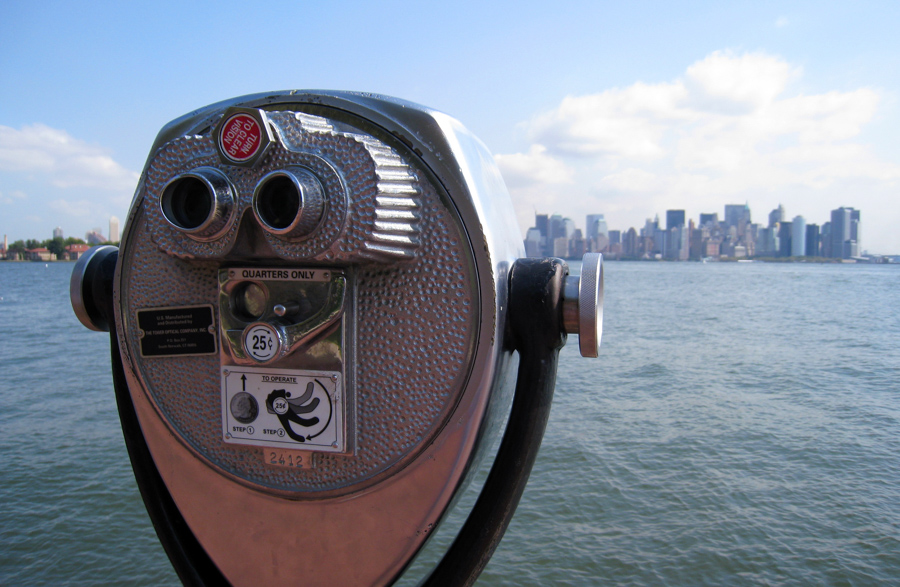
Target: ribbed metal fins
[
  {"x": 397, "y": 206},
  {"x": 394, "y": 233},
  {"x": 311, "y": 123}
]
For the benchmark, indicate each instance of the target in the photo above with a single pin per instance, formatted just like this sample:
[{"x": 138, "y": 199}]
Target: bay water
[{"x": 741, "y": 427}]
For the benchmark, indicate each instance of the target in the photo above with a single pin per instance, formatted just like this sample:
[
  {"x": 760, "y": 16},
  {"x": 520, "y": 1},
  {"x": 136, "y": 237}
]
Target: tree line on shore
[{"x": 56, "y": 245}]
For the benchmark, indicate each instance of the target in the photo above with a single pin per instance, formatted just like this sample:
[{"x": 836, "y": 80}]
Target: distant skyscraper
[
  {"x": 533, "y": 243},
  {"x": 560, "y": 247},
  {"x": 576, "y": 244},
  {"x": 568, "y": 228},
  {"x": 58, "y": 232},
  {"x": 661, "y": 242},
  {"x": 784, "y": 239},
  {"x": 845, "y": 233},
  {"x": 542, "y": 223},
  {"x": 825, "y": 239},
  {"x": 737, "y": 213},
  {"x": 95, "y": 237},
  {"x": 812, "y": 240},
  {"x": 706, "y": 219},
  {"x": 776, "y": 216},
  {"x": 738, "y": 216},
  {"x": 678, "y": 246},
  {"x": 595, "y": 225},
  {"x": 113, "y": 229},
  {"x": 630, "y": 243},
  {"x": 798, "y": 237},
  {"x": 674, "y": 218},
  {"x": 557, "y": 227}
]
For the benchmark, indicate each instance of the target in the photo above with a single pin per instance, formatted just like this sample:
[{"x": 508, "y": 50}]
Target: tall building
[
  {"x": 845, "y": 231},
  {"x": 58, "y": 232},
  {"x": 709, "y": 219},
  {"x": 595, "y": 226},
  {"x": 542, "y": 223},
  {"x": 674, "y": 218},
  {"x": 533, "y": 245},
  {"x": 784, "y": 239},
  {"x": 95, "y": 237},
  {"x": 764, "y": 242},
  {"x": 557, "y": 228},
  {"x": 825, "y": 239},
  {"x": 576, "y": 245},
  {"x": 737, "y": 215},
  {"x": 630, "y": 243},
  {"x": 776, "y": 216},
  {"x": 560, "y": 247},
  {"x": 798, "y": 237},
  {"x": 113, "y": 229},
  {"x": 679, "y": 243},
  {"x": 812, "y": 240},
  {"x": 661, "y": 242},
  {"x": 568, "y": 228}
]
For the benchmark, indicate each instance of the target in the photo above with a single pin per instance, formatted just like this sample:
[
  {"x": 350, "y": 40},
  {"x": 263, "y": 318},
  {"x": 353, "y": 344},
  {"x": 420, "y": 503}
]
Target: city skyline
[
  {"x": 92, "y": 237},
  {"x": 680, "y": 238},
  {"x": 596, "y": 225}
]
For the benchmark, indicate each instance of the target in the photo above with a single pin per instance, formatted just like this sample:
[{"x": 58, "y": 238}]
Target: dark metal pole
[
  {"x": 191, "y": 563},
  {"x": 535, "y": 314}
]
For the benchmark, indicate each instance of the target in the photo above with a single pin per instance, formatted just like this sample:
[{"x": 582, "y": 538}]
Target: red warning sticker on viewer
[{"x": 240, "y": 137}]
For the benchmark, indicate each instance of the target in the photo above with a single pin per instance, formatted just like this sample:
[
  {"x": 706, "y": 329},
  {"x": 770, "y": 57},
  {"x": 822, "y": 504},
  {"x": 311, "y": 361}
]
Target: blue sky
[{"x": 626, "y": 109}]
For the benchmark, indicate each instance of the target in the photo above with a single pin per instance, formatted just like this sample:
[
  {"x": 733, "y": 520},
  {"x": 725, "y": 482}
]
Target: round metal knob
[
  {"x": 583, "y": 305},
  {"x": 91, "y": 286}
]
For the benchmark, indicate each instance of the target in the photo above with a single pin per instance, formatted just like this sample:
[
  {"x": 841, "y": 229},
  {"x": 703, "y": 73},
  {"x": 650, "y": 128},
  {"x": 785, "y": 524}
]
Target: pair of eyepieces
[{"x": 288, "y": 203}]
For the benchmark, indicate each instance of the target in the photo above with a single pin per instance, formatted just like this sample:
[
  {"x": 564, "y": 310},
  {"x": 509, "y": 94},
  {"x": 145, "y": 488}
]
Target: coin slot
[{"x": 249, "y": 301}]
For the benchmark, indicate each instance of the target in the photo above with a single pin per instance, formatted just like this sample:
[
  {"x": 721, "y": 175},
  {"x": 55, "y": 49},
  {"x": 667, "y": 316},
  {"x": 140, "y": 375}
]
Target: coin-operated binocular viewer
[{"x": 316, "y": 314}]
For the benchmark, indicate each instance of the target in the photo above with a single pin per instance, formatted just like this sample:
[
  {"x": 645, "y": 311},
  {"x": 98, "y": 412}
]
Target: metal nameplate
[{"x": 177, "y": 331}]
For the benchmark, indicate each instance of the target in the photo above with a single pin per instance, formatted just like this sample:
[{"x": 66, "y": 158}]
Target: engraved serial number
[{"x": 281, "y": 458}]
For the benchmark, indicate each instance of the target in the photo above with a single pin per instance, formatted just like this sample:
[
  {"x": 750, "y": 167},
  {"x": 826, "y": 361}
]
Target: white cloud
[
  {"x": 535, "y": 166},
  {"x": 627, "y": 123},
  {"x": 737, "y": 83},
  {"x": 729, "y": 130},
  {"x": 11, "y": 197},
  {"x": 79, "y": 209},
  {"x": 62, "y": 159}
]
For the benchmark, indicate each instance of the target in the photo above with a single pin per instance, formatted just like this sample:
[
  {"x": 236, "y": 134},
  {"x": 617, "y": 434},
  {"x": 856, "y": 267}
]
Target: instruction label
[{"x": 279, "y": 408}]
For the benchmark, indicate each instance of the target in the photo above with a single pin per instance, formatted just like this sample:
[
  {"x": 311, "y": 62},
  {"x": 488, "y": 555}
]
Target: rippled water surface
[{"x": 742, "y": 426}]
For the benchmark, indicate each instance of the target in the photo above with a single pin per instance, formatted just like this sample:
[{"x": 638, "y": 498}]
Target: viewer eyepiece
[
  {"x": 289, "y": 202},
  {"x": 198, "y": 203}
]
